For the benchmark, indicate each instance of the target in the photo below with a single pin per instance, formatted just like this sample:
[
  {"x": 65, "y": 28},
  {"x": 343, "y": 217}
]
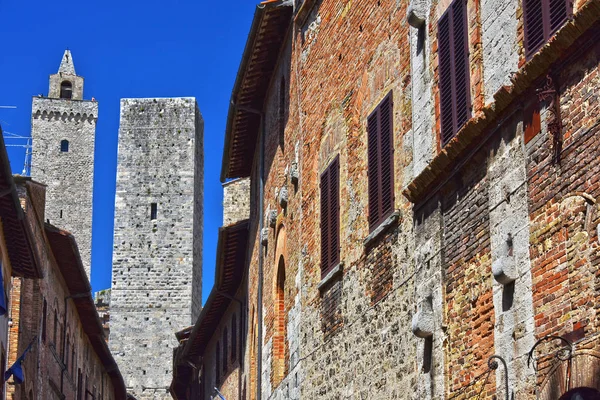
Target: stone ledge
[
  {"x": 331, "y": 276},
  {"x": 472, "y": 133},
  {"x": 383, "y": 227}
]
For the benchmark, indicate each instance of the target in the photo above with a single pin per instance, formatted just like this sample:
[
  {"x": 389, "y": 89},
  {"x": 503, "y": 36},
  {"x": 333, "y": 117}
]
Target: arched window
[
  {"x": 55, "y": 332},
  {"x": 64, "y": 145},
  {"x": 233, "y": 338},
  {"x": 66, "y": 90},
  {"x": 279, "y": 355},
  {"x": 225, "y": 342},
  {"x": 67, "y": 352}
]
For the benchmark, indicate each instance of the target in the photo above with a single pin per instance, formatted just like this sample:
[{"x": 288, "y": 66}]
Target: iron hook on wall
[{"x": 493, "y": 365}]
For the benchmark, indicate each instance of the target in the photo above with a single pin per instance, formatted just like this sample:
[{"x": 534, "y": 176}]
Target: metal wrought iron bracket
[
  {"x": 562, "y": 354},
  {"x": 493, "y": 365},
  {"x": 550, "y": 94}
]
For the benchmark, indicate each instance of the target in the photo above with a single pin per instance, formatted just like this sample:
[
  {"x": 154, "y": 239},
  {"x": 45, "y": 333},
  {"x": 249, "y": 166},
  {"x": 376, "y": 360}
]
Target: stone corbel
[
  {"x": 271, "y": 217},
  {"x": 283, "y": 197},
  {"x": 422, "y": 322},
  {"x": 294, "y": 173},
  {"x": 264, "y": 236},
  {"x": 416, "y": 13},
  {"x": 504, "y": 268}
]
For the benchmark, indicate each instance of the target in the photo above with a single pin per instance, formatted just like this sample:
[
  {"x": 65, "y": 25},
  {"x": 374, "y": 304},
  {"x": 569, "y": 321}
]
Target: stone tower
[
  {"x": 63, "y": 128},
  {"x": 157, "y": 253}
]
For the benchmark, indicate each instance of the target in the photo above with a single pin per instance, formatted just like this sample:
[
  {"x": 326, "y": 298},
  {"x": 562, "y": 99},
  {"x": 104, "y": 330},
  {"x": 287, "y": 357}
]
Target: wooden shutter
[
  {"x": 380, "y": 131},
  {"x": 334, "y": 213},
  {"x": 453, "y": 53},
  {"x": 542, "y": 18},
  {"x": 330, "y": 217},
  {"x": 325, "y": 220},
  {"x": 373, "y": 168}
]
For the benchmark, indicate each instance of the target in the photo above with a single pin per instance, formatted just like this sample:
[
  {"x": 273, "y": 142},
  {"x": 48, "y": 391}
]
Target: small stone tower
[
  {"x": 157, "y": 251},
  {"x": 63, "y": 128}
]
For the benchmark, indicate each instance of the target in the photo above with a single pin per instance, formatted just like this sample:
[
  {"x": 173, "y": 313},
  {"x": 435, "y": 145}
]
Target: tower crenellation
[{"x": 63, "y": 129}]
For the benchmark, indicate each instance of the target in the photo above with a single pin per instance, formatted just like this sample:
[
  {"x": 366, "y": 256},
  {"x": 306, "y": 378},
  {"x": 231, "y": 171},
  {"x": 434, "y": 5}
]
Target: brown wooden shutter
[
  {"x": 330, "y": 217},
  {"x": 453, "y": 53},
  {"x": 381, "y": 162},
  {"x": 373, "y": 168},
  {"x": 334, "y": 214},
  {"x": 460, "y": 47},
  {"x": 534, "y": 25},
  {"x": 542, "y": 18},
  {"x": 386, "y": 144},
  {"x": 325, "y": 219}
]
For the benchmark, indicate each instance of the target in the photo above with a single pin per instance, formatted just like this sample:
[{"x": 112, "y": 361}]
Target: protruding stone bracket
[
  {"x": 271, "y": 217},
  {"x": 504, "y": 268},
  {"x": 283, "y": 197},
  {"x": 416, "y": 13},
  {"x": 423, "y": 320},
  {"x": 294, "y": 173},
  {"x": 264, "y": 236}
]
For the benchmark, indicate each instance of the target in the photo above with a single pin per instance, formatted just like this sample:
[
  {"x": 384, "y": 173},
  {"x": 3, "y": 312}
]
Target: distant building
[
  {"x": 16, "y": 259},
  {"x": 56, "y": 318},
  {"x": 63, "y": 129},
  {"x": 157, "y": 254},
  {"x": 102, "y": 301}
]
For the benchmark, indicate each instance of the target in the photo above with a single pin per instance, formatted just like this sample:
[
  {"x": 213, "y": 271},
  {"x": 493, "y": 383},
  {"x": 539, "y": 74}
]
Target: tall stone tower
[
  {"x": 157, "y": 252},
  {"x": 63, "y": 128}
]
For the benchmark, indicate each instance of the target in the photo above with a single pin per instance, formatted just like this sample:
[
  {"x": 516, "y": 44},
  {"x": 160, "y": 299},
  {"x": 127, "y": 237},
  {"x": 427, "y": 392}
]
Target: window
[
  {"x": 282, "y": 96},
  {"x": 542, "y": 18},
  {"x": 153, "y": 211},
  {"x": 44, "y": 318},
  {"x": 380, "y": 162},
  {"x": 66, "y": 90},
  {"x": 279, "y": 350},
  {"x": 330, "y": 217},
  {"x": 233, "y": 338},
  {"x": 64, "y": 146},
  {"x": 67, "y": 352},
  {"x": 453, "y": 60},
  {"x": 55, "y": 332},
  {"x": 218, "y": 363},
  {"x": 225, "y": 343}
]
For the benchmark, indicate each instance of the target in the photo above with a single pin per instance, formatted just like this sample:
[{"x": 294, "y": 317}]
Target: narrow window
[
  {"x": 330, "y": 217},
  {"x": 380, "y": 162},
  {"x": 66, "y": 90},
  {"x": 73, "y": 360},
  {"x": 61, "y": 213},
  {"x": 225, "y": 343},
  {"x": 453, "y": 59},
  {"x": 282, "y": 96},
  {"x": 55, "y": 332},
  {"x": 218, "y": 363},
  {"x": 153, "y": 211},
  {"x": 67, "y": 353},
  {"x": 79, "y": 384},
  {"x": 542, "y": 18},
  {"x": 233, "y": 338},
  {"x": 64, "y": 146},
  {"x": 44, "y": 318}
]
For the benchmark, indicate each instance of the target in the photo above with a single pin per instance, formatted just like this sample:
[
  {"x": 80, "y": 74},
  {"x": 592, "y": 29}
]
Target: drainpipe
[{"x": 259, "y": 292}]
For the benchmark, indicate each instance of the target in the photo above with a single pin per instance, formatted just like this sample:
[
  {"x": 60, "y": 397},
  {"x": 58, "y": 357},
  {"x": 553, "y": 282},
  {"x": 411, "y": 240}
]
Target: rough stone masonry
[
  {"x": 63, "y": 128},
  {"x": 157, "y": 254}
]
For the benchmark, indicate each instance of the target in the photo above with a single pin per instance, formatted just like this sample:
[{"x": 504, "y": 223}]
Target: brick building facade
[
  {"x": 55, "y": 314},
  {"x": 423, "y": 197}
]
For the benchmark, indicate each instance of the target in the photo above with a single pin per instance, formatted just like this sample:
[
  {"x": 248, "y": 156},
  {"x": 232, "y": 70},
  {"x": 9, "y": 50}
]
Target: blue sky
[{"x": 123, "y": 49}]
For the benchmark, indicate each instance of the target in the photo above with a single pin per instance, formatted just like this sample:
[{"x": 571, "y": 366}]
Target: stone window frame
[{"x": 66, "y": 90}]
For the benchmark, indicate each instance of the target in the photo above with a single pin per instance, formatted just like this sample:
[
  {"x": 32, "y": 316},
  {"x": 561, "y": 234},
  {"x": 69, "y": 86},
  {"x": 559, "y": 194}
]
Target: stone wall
[
  {"x": 61, "y": 350},
  {"x": 499, "y": 252},
  {"x": 157, "y": 264},
  {"x": 236, "y": 201},
  {"x": 69, "y": 176}
]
